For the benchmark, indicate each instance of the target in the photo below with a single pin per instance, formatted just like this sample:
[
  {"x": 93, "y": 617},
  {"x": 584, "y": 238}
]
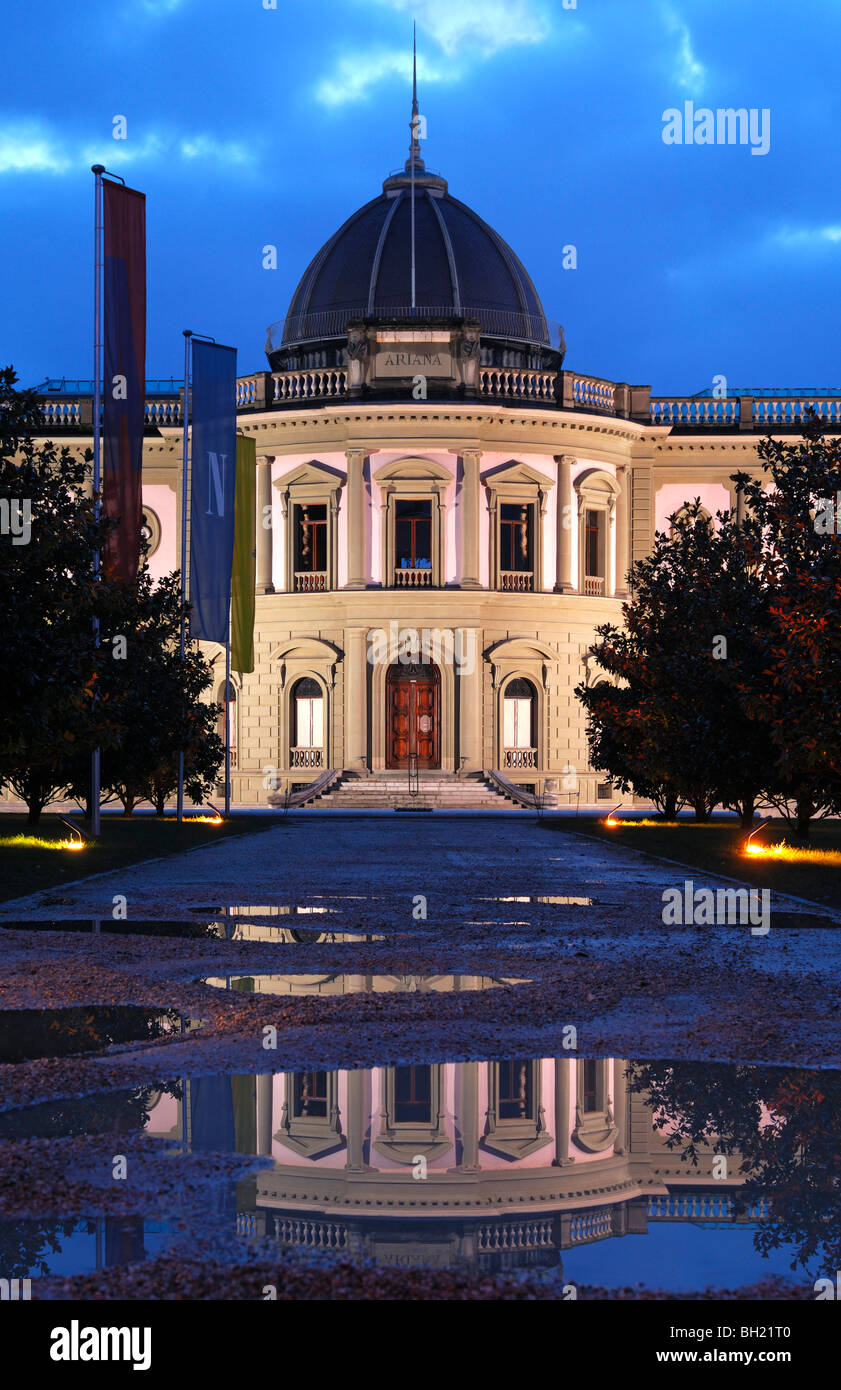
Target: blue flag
[{"x": 213, "y": 489}]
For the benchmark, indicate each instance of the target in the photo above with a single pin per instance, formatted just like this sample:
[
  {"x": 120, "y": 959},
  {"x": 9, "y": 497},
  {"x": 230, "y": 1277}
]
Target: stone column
[
  {"x": 619, "y": 1088},
  {"x": 469, "y": 1116},
  {"x": 355, "y": 1119},
  {"x": 563, "y": 538},
  {"x": 356, "y": 699},
  {"x": 623, "y": 531},
  {"x": 264, "y": 1113},
  {"x": 469, "y": 691},
  {"x": 562, "y": 1158},
  {"x": 265, "y": 526},
  {"x": 737, "y": 505},
  {"x": 357, "y": 568},
  {"x": 469, "y": 512}
]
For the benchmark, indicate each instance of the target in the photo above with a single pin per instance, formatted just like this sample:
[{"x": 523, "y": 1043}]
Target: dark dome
[{"x": 464, "y": 269}]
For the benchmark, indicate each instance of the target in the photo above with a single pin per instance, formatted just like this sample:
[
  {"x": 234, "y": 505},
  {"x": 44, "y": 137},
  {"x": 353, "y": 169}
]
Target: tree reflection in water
[{"x": 781, "y": 1125}]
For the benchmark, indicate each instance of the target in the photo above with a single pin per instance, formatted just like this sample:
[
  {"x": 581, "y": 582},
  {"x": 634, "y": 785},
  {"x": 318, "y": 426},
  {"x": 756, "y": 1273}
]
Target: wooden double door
[{"x": 413, "y": 729}]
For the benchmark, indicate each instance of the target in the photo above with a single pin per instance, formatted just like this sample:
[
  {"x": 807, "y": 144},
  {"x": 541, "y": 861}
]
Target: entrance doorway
[{"x": 413, "y": 737}]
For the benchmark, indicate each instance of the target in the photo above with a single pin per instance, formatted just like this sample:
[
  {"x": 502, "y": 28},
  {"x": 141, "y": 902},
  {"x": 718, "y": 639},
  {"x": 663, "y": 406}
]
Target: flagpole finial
[{"x": 97, "y": 168}]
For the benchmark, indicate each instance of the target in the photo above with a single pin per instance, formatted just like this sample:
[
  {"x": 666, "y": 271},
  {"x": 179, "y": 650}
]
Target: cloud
[
  {"x": 356, "y": 73},
  {"x": 489, "y": 26},
  {"x": 687, "y": 70},
  {"x": 806, "y": 237},
  {"x": 27, "y": 148},
  {"x": 453, "y": 34},
  {"x": 32, "y": 147}
]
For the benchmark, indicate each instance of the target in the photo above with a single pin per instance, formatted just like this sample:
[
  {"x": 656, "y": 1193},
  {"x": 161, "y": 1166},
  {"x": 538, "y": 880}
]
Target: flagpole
[
  {"x": 185, "y": 442},
  {"x": 98, "y": 170},
  {"x": 228, "y": 718}
]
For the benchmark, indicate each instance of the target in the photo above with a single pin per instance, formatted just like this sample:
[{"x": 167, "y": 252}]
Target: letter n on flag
[
  {"x": 245, "y": 557},
  {"x": 212, "y": 489},
  {"x": 124, "y": 387}
]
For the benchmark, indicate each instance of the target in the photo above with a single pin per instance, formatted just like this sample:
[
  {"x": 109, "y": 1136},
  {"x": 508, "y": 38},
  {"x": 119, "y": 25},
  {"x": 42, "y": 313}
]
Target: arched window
[
  {"x": 307, "y": 724},
  {"x": 150, "y": 530},
  {"x": 220, "y": 723},
  {"x": 703, "y": 518},
  {"x": 518, "y": 725}
]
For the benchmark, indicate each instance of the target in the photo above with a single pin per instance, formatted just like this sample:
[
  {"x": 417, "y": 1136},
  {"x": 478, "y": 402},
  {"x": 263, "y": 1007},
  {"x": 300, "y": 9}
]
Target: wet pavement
[{"x": 409, "y": 1052}]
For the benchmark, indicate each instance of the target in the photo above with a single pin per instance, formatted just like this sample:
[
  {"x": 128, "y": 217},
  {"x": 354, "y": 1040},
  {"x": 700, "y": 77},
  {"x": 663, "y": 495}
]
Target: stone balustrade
[
  {"x": 411, "y": 578},
  {"x": 519, "y": 757},
  {"x": 310, "y": 581},
  {"x": 516, "y": 581},
  {"x": 509, "y": 382},
  {"x": 564, "y": 390},
  {"x": 306, "y": 757},
  {"x": 594, "y": 393}
]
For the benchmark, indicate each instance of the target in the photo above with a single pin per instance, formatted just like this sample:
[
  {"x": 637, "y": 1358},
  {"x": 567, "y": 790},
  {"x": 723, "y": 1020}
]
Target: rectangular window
[
  {"x": 310, "y": 1095},
  {"x": 517, "y": 720},
  {"x": 593, "y": 548},
  {"x": 413, "y": 1095},
  {"x": 590, "y": 1087},
  {"x": 309, "y": 722},
  {"x": 515, "y": 1090},
  {"x": 516, "y": 537},
  {"x": 311, "y": 538},
  {"x": 413, "y": 534}
]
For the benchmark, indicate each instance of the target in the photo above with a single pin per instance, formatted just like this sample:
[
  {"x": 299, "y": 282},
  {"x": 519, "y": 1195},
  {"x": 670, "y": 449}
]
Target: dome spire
[{"x": 414, "y": 161}]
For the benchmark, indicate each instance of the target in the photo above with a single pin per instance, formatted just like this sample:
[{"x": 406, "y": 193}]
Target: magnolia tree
[
  {"x": 672, "y": 723},
  {"x": 795, "y": 690},
  {"x": 724, "y": 683}
]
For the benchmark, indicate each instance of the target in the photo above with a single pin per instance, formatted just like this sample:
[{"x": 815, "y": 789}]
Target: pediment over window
[
  {"x": 312, "y": 474},
  {"x": 517, "y": 475},
  {"x": 595, "y": 483},
  {"x": 306, "y": 649},
  {"x": 414, "y": 470},
  {"x": 520, "y": 649}
]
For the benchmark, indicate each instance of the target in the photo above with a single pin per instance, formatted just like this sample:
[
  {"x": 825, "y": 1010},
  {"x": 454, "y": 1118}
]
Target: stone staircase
[{"x": 389, "y": 791}]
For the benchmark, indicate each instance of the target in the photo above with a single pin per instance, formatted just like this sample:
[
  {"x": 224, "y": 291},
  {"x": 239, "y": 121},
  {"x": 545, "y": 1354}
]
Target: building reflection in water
[{"x": 480, "y": 1165}]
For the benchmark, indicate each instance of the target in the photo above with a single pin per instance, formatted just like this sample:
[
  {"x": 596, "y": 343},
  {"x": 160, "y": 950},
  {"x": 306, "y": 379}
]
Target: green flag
[{"x": 245, "y": 557}]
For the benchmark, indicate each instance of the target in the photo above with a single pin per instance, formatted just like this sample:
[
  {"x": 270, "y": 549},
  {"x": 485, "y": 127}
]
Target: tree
[
  {"x": 782, "y": 1126},
  {"x": 155, "y": 701},
  {"x": 677, "y": 727},
  {"x": 49, "y": 599},
  {"x": 793, "y": 690}
]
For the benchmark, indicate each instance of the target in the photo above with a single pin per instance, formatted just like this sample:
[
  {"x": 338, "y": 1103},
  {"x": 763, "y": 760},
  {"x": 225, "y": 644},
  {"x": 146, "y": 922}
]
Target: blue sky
[{"x": 249, "y": 126}]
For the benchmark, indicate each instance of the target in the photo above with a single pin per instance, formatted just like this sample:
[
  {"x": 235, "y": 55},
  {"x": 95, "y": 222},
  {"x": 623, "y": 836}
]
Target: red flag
[{"x": 124, "y": 387}]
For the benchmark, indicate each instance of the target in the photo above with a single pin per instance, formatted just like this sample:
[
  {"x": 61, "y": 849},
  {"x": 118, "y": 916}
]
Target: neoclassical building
[{"x": 445, "y": 514}]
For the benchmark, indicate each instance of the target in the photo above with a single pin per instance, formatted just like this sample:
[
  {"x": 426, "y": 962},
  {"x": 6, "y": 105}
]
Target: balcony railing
[
  {"x": 519, "y": 385},
  {"x": 516, "y": 581},
  {"x": 68, "y": 406},
  {"x": 310, "y": 581},
  {"x": 594, "y": 586},
  {"x": 413, "y": 578},
  {"x": 519, "y": 757},
  {"x": 306, "y": 757}
]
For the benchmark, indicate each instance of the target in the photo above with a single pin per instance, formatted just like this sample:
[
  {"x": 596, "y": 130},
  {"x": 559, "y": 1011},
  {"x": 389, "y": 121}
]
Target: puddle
[
  {"x": 258, "y": 982},
  {"x": 679, "y": 1176},
  {"x": 29, "y": 1033},
  {"x": 559, "y": 901},
  {"x": 223, "y": 929}
]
